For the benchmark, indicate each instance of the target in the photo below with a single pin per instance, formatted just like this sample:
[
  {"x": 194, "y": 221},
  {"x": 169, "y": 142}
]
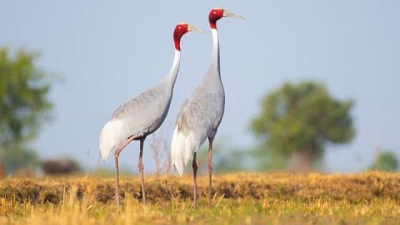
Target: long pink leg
[
  {"x": 141, "y": 169},
  {"x": 210, "y": 169},
  {"x": 195, "y": 167},
  {"x": 116, "y": 155}
]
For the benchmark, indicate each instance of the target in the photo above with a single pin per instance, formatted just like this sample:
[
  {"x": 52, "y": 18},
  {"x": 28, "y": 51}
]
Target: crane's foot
[
  {"x": 194, "y": 205},
  {"x": 195, "y": 202},
  {"x": 116, "y": 200},
  {"x": 141, "y": 170},
  {"x": 211, "y": 197},
  {"x": 143, "y": 198},
  {"x": 210, "y": 203}
]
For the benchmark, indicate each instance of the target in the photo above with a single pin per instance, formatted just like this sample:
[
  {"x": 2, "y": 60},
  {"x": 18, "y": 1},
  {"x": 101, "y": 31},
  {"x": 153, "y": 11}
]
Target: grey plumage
[
  {"x": 201, "y": 113},
  {"x": 146, "y": 112},
  {"x": 204, "y": 109},
  {"x": 143, "y": 114}
]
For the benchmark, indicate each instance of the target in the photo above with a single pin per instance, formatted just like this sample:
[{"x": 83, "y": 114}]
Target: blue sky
[{"x": 110, "y": 51}]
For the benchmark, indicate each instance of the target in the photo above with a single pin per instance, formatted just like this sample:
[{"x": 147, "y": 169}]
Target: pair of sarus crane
[{"x": 197, "y": 120}]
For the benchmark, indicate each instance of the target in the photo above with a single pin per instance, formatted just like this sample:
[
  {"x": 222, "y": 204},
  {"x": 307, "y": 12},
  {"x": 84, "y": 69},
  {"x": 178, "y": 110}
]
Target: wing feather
[
  {"x": 139, "y": 116},
  {"x": 197, "y": 120}
]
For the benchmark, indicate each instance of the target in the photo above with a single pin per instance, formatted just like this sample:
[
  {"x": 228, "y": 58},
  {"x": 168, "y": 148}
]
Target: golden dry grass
[{"x": 241, "y": 198}]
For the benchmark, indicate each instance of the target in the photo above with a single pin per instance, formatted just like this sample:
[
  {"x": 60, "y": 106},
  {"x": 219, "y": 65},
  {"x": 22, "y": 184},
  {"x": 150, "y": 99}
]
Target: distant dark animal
[{"x": 60, "y": 166}]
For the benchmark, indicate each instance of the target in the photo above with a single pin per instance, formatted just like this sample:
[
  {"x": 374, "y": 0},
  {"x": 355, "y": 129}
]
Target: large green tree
[
  {"x": 24, "y": 105},
  {"x": 297, "y": 120}
]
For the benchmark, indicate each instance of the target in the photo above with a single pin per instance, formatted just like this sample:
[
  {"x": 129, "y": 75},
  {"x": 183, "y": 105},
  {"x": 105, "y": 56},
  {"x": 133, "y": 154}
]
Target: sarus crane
[
  {"x": 143, "y": 114},
  {"x": 201, "y": 113}
]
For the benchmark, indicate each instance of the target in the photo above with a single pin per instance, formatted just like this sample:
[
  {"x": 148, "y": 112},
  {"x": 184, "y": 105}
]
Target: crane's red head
[
  {"x": 218, "y": 13},
  {"x": 180, "y": 30},
  {"x": 215, "y": 14}
]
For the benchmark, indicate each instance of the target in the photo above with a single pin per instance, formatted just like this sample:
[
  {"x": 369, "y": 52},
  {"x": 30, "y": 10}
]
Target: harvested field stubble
[
  {"x": 252, "y": 198},
  {"x": 353, "y": 188}
]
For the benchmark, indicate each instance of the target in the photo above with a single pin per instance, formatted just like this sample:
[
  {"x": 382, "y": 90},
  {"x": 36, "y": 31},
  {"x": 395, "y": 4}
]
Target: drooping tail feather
[
  {"x": 182, "y": 149},
  {"x": 110, "y": 137}
]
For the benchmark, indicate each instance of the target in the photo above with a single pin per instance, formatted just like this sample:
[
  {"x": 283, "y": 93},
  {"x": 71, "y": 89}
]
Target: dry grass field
[{"x": 239, "y": 198}]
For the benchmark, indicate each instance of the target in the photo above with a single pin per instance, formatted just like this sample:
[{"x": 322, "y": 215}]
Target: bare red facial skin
[
  {"x": 215, "y": 14},
  {"x": 179, "y": 31}
]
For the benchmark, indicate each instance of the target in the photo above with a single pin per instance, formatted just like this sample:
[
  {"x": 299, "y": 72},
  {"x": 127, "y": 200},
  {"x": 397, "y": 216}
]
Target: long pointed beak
[
  {"x": 231, "y": 14},
  {"x": 195, "y": 29}
]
